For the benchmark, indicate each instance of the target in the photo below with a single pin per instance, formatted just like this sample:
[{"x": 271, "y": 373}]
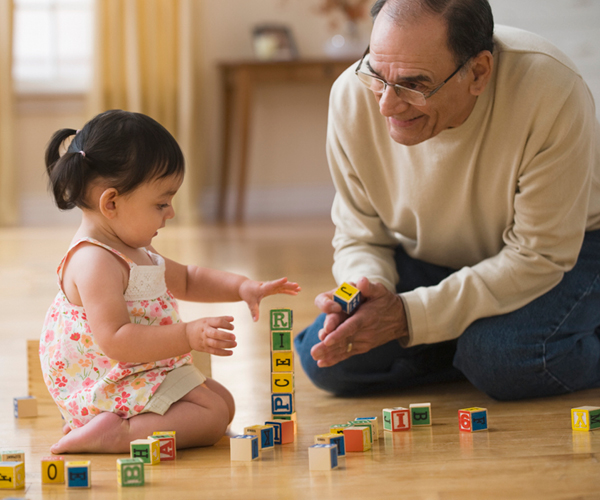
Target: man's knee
[{"x": 501, "y": 369}]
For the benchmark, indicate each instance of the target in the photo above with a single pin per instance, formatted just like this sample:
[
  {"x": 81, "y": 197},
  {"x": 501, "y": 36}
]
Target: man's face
[{"x": 416, "y": 56}]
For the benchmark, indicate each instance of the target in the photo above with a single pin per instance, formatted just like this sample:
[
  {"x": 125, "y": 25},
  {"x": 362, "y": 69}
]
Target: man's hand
[{"x": 379, "y": 319}]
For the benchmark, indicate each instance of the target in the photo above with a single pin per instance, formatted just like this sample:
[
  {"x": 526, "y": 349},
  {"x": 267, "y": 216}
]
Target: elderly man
[{"x": 466, "y": 161}]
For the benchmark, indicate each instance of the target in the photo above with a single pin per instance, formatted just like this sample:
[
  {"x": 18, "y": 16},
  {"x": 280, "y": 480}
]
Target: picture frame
[{"x": 274, "y": 42}]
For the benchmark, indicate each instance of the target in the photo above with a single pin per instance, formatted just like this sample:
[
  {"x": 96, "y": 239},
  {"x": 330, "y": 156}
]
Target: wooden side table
[{"x": 238, "y": 80}]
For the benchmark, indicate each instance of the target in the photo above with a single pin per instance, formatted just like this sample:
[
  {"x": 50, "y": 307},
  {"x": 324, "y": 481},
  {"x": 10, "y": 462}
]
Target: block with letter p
[
  {"x": 282, "y": 382},
  {"x": 282, "y": 403}
]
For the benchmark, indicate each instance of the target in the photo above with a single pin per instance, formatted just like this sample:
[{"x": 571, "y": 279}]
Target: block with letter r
[
  {"x": 282, "y": 403},
  {"x": 281, "y": 319}
]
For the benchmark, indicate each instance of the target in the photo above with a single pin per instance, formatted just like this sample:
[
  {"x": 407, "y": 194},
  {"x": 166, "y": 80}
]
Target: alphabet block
[
  {"x": 243, "y": 448},
  {"x": 337, "y": 439},
  {"x": 281, "y": 319},
  {"x": 282, "y": 361},
  {"x": 396, "y": 419},
  {"x": 338, "y": 428},
  {"x": 25, "y": 407},
  {"x": 283, "y": 431},
  {"x": 53, "y": 470},
  {"x": 375, "y": 422},
  {"x": 12, "y": 475},
  {"x": 13, "y": 456},
  {"x": 146, "y": 449},
  {"x": 348, "y": 297},
  {"x": 166, "y": 444},
  {"x": 364, "y": 423},
  {"x": 282, "y": 382},
  {"x": 357, "y": 439},
  {"x": 264, "y": 433},
  {"x": 585, "y": 418},
  {"x": 420, "y": 414},
  {"x": 281, "y": 340},
  {"x": 79, "y": 474},
  {"x": 282, "y": 403},
  {"x": 322, "y": 457},
  {"x": 291, "y": 418},
  {"x": 130, "y": 471},
  {"x": 472, "y": 419}
]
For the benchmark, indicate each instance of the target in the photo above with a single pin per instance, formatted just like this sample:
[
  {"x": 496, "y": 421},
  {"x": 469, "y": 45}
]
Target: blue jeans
[{"x": 550, "y": 346}]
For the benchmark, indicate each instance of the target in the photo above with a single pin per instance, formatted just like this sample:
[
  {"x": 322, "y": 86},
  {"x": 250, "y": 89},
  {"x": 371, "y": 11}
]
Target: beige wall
[{"x": 288, "y": 171}]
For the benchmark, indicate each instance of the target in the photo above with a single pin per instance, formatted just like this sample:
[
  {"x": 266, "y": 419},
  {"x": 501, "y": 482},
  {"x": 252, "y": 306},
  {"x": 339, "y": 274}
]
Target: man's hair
[{"x": 470, "y": 22}]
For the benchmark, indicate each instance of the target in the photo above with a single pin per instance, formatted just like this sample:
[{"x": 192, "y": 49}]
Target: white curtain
[{"x": 8, "y": 193}]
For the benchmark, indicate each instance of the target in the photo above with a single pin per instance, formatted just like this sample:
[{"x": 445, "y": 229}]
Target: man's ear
[
  {"x": 108, "y": 203},
  {"x": 480, "y": 71}
]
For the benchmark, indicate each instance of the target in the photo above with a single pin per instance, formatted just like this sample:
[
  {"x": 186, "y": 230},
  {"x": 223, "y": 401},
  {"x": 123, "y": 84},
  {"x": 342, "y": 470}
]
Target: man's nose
[{"x": 390, "y": 104}]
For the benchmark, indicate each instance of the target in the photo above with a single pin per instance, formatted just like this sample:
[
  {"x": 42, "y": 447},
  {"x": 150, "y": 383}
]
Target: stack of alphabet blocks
[{"x": 282, "y": 426}]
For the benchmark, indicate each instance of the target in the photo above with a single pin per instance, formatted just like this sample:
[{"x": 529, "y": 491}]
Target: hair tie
[{"x": 82, "y": 153}]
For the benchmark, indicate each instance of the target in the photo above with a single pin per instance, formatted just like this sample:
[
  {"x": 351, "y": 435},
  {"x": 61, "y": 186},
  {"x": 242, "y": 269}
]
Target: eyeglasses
[{"x": 412, "y": 96}]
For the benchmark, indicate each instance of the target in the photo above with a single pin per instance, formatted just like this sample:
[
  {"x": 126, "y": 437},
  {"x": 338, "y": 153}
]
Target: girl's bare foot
[{"x": 105, "y": 433}]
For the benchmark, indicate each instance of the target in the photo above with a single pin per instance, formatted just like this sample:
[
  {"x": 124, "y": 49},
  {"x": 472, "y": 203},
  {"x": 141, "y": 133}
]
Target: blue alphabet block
[{"x": 282, "y": 403}]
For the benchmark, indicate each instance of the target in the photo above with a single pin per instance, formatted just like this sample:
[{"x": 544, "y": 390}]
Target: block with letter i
[
  {"x": 264, "y": 433},
  {"x": 585, "y": 418},
  {"x": 420, "y": 414},
  {"x": 130, "y": 472},
  {"x": 322, "y": 457},
  {"x": 53, "y": 470},
  {"x": 79, "y": 474},
  {"x": 243, "y": 448},
  {"x": 12, "y": 475},
  {"x": 167, "y": 444},
  {"x": 348, "y": 297},
  {"x": 283, "y": 431},
  {"x": 472, "y": 419},
  {"x": 396, "y": 419}
]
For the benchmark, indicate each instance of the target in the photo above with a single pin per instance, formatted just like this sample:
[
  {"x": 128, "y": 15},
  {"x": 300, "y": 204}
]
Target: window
[{"x": 53, "y": 45}]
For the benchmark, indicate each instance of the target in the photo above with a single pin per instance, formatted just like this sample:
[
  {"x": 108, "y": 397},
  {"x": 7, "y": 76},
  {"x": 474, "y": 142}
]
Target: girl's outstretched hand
[
  {"x": 252, "y": 292},
  {"x": 207, "y": 335}
]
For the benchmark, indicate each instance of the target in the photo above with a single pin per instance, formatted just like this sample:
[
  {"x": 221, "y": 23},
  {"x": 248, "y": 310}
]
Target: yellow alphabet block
[
  {"x": 282, "y": 382},
  {"x": 53, "y": 470},
  {"x": 585, "y": 418},
  {"x": 282, "y": 361},
  {"x": 12, "y": 475}
]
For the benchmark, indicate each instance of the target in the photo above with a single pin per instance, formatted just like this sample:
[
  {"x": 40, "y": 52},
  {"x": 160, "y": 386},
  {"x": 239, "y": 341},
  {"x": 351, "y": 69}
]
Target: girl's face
[{"x": 141, "y": 213}]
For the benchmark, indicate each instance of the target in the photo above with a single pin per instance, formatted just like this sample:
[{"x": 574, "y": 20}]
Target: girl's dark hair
[
  {"x": 125, "y": 149},
  {"x": 470, "y": 22}
]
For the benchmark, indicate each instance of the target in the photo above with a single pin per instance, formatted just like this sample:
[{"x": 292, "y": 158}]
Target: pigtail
[{"x": 66, "y": 172}]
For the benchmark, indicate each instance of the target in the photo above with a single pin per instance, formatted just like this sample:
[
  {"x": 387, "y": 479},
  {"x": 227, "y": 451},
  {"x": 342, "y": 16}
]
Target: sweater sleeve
[{"x": 541, "y": 243}]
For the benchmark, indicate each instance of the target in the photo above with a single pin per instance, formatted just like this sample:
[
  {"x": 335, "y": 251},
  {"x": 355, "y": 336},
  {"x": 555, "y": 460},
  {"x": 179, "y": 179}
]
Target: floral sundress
[{"x": 80, "y": 377}]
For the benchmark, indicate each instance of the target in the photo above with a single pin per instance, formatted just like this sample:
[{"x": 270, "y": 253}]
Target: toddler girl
[{"x": 115, "y": 356}]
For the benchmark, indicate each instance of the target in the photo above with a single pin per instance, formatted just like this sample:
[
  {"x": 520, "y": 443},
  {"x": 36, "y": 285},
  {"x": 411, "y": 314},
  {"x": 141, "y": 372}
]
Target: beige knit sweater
[{"x": 505, "y": 198}]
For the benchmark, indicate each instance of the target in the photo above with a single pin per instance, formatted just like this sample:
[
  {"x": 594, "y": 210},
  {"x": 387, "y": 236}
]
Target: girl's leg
[{"x": 200, "y": 418}]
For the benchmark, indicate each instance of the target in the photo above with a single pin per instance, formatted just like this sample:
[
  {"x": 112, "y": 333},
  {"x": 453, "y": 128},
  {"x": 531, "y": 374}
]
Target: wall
[{"x": 288, "y": 169}]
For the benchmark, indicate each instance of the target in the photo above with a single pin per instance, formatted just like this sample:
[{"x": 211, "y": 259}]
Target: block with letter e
[
  {"x": 348, "y": 297},
  {"x": 472, "y": 419},
  {"x": 79, "y": 474},
  {"x": 282, "y": 361},
  {"x": 12, "y": 475}
]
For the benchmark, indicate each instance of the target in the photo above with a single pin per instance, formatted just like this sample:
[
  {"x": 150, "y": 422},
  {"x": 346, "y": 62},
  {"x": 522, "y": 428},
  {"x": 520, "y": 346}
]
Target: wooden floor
[{"x": 529, "y": 451}]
